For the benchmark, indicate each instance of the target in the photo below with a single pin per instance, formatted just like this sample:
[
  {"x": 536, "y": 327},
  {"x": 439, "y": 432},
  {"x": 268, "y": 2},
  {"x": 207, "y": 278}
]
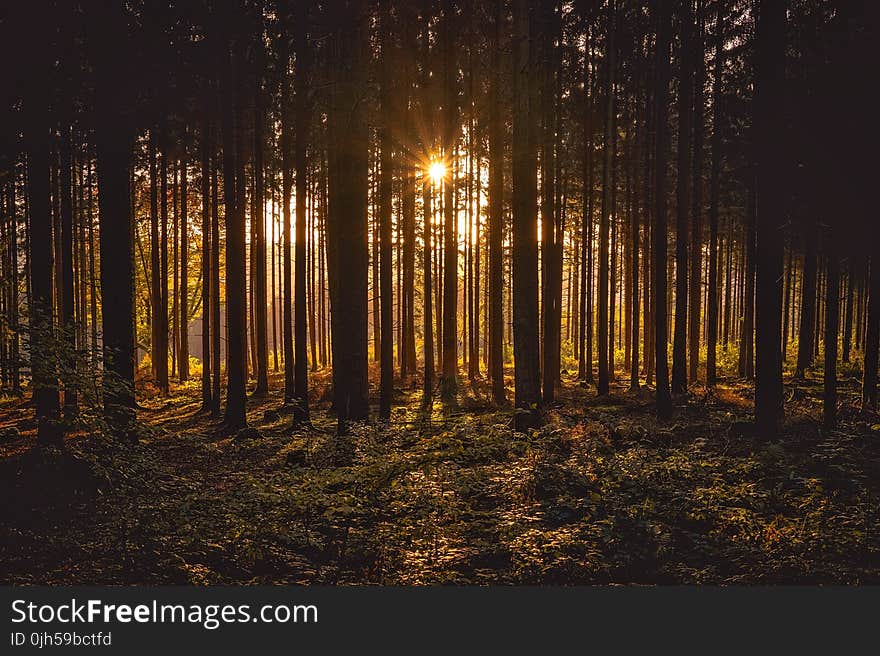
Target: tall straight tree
[
  {"x": 386, "y": 292},
  {"x": 236, "y": 291},
  {"x": 872, "y": 333},
  {"x": 159, "y": 352},
  {"x": 183, "y": 304},
  {"x": 286, "y": 195},
  {"x": 302, "y": 120},
  {"x": 662, "y": 73},
  {"x": 448, "y": 34},
  {"x": 67, "y": 319},
  {"x": 258, "y": 247},
  {"x": 683, "y": 196},
  {"x": 44, "y": 375},
  {"x": 206, "y": 256},
  {"x": 496, "y": 210},
  {"x": 808, "y": 303},
  {"x": 695, "y": 288},
  {"x": 832, "y": 324},
  {"x": 770, "y": 80},
  {"x": 114, "y": 138},
  {"x": 347, "y": 227},
  {"x": 425, "y": 100},
  {"x": 550, "y": 276},
  {"x": 525, "y": 225},
  {"x": 714, "y": 192},
  {"x": 607, "y": 175}
]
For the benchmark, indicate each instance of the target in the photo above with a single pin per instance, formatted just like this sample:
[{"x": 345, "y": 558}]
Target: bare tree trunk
[
  {"x": 386, "y": 385},
  {"x": 44, "y": 376},
  {"x": 714, "y": 184},
  {"x": 206, "y": 259},
  {"x": 696, "y": 264},
  {"x": 448, "y": 34},
  {"x": 183, "y": 357},
  {"x": 607, "y": 165},
  {"x": 832, "y": 328},
  {"x": 302, "y": 89},
  {"x": 496, "y": 213},
  {"x": 683, "y": 199},
  {"x": 664, "y": 400},
  {"x": 872, "y": 334},
  {"x": 525, "y": 242},
  {"x": 286, "y": 194},
  {"x": 236, "y": 292},
  {"x": 769, "y": 99}
]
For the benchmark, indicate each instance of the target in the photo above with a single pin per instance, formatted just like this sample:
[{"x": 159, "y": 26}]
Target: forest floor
[{"x": 604, "y": 493}]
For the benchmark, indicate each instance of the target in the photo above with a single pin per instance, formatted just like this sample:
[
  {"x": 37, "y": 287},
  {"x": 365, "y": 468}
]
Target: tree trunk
[
  {"x": 807, "y": 327},
  {"x": 525, "y": 242},
  {"x": 550, "y": 305},
  {"x": 44, "y": 376},
  {"x": 769, "y": 100},
  {"x": 448, "y": 34},
  {"x": 832, "y": 328},
  {"x": 114, "y": 142},
  {"x": 683, "y": 199},
  {"x": 664, "y": 399},
  {"x": 386, "y": 385},
  {"x": 696, "y": 264},
  {"x": 236, "y": 292},
  {"x": 872, "y": 334},
  {"x": 301, "y": 120},
  {"x": 714, "y": 184},
  {"x": 67, "y": 319},
  {"x": 496, "y": 213},
  {"x": 183, "y": 354},
  {"x": 607, "y": 164},
  {"x": 206, "y": 258},
  {"x": 286, "y": 193},
  {"x": 348, "y": 211}
]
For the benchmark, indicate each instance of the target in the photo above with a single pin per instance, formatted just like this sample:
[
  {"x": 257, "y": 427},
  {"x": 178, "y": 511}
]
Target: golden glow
[{"x": 437, "y": 171}]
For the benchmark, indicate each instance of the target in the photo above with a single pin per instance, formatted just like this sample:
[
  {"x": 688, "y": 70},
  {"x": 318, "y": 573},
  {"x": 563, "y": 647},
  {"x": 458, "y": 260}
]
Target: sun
[{"x": 437, "y": 171}]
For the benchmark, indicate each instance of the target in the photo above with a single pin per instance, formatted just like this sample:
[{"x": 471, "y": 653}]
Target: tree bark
[
  {"x": 683, "y": 199},
  {"x": 525, "y": 242},
  {"x": 769, "y": 99},
  {"x": 664, "y": 399}
]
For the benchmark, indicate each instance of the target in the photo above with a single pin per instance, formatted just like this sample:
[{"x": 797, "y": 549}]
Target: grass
[{"x": 603, "y": 493}]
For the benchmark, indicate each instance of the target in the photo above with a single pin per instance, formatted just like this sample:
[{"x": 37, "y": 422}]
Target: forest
[{"x": 439, "y": 291}]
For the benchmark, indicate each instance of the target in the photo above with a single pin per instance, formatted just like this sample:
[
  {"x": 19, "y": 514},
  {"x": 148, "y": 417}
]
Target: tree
[
  {"x": 496, "y": 212},
  {"x": 527, "y": 397},
  {"x": 302, "y": 120},
  {"x": 661, "y": 71},
  {"x": 448, "y": 33},
  {"x": 683, "y": 197},
  {"x": 551, "y": 276},
  {"x": 347, "y": 218},
  {"x": 258, "y": 247},
  {"x": 832, "y": 322},
  {"x": 44, "y": 376},
  {"x": 807, "y": 327},
  {"x": 607, "y": 164},
  {"x": 386, "y": 290},
  {"x": 695, "y": 288},
  {"x": 770, "y": 78},
  {"x": 714, "y": 192},
  {"x": 236, "y": 291},
  {"x": 113, "y": 145},
  {"x": 207, "y": 323},
  {"x": 872, "y": 334},
  {"x": 183, "y": 305},
  {"x": 286, "y": 194}
]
